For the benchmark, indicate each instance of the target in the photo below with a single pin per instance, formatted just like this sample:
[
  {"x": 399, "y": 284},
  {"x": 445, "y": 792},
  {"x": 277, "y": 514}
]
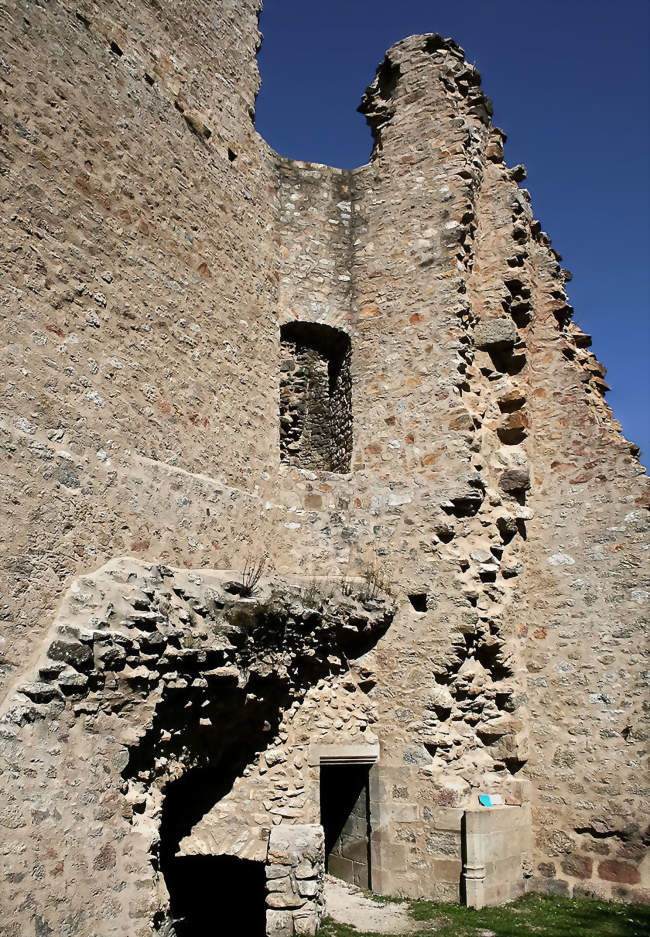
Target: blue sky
[{"x": 569, "y": 81}]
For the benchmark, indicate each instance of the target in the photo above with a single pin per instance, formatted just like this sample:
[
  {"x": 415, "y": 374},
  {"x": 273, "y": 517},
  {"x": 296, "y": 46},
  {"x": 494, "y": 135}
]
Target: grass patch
[{"x": 535, "y": 915}]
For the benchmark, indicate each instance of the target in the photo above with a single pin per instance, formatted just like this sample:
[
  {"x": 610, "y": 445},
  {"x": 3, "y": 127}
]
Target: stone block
[
  {"x": 306, "y": 925},
  {"x": 388, "y": 854},
  {"x": 444, "y": 891},
  {"x": 515, "y": 480},
  {"x": 448, "y": 818},
  {"x": 307, "y": 869},
  {"x": 284, "y": 899},
  {"x": 356, "y": 850},
  {"x": 71, "y": 652},
  {"x": 547, "y": 886},
  {"x": 499, "y": 892},
  {"x": 504, "y": 867},
  {"x": 631, "y": 895},
  {"x": 348, "y": 753},
  {"x": 309, "y": 888},
  {"x": 282, "y": 885},
  {"x": 444, "y": 843},
  {"x": 577, "y": 866},
  {"x": 614, "y": 870},
  {"x": 290, "y": 845},
  {"x": 401, "y": 813},
  {"x": 487, "y": 821},
  {"x": 447, "y": 870},
  {"x": 279, "y": 924},
  {"x": 39, "y": 692},
  {"x": 495, "y": 334},
  {"x": 591, "y": 890},
  {"x": 340, "y": 867}
]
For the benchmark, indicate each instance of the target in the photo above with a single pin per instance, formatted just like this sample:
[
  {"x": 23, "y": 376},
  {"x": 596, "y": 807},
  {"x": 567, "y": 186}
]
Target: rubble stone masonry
[{"x": 456, "y": 530}]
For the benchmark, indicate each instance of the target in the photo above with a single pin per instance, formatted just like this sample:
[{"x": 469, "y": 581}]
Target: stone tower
[{"x": 316, "y": 525}]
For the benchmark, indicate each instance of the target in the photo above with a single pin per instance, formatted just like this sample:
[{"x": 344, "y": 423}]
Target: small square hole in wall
[
  {"x": 232, "y": 156},
  {"x": 419, "y": 601}
]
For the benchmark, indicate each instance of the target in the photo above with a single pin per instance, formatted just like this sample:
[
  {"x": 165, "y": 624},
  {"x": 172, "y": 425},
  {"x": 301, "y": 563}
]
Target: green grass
[{"x": 535, "y": 915}]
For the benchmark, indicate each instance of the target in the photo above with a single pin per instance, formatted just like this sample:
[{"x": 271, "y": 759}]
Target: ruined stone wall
[
  {"x": 156, "y": 689},
  {"x": 125, "y": 391},
  {"x": 154, "y": 248},
  {"x": 585, "y": 591}
]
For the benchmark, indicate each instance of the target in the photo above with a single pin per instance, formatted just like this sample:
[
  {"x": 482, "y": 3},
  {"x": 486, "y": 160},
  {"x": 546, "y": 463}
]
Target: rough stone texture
[
  {"x": 183, "y": 675},
  {"x": 495, "y": 334},
  {"x": 315, "y": 398},
  {"x": 153, "y": 247},
  {"x": 295, "y": 880}
]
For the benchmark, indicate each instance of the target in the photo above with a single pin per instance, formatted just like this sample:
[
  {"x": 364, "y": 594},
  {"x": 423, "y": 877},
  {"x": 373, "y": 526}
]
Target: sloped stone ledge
[{"x": 132, "y": 629}]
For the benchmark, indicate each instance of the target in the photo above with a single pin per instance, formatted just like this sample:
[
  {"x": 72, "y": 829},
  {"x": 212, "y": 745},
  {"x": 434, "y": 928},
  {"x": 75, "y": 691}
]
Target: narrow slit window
[{"x": 315, "y": 397}]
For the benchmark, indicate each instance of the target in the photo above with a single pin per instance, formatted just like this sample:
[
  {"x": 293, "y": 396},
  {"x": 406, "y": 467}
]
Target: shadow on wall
[
  {"x": 212, "y": 722},
  {"x": 206, "y": 893}
]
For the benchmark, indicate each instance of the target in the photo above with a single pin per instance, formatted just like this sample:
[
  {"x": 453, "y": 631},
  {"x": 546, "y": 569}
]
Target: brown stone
[
  {"x": 515, "y": 480},
  {"x": 105, "y": 858},
  {"x": 577, "y": 866},
  {"x": 615, "y": 870}
]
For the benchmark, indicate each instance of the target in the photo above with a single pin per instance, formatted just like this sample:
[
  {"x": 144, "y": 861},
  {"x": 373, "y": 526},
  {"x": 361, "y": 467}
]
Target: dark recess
[
  {"x": 219, "y": 895},
  {"x": 419, "y": 601},
  {"x": 315, "y": 397},
  {"x": 345, "y": 816}
]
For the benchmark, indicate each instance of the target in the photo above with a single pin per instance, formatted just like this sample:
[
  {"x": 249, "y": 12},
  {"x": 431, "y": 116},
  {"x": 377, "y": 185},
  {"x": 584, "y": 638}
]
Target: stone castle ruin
[{"x": 317, "y": 531}]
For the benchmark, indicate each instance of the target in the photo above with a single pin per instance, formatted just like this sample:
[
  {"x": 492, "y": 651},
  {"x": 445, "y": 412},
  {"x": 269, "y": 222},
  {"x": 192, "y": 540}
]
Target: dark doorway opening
[
  {"x": 217, "y": 896},
  {"x": 345, "y": 815}
]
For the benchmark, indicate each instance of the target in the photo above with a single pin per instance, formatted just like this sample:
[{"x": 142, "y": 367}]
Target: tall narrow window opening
[{"x": 315, "y": 397}]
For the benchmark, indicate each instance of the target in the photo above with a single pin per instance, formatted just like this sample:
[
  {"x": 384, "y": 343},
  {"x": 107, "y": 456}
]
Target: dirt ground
[{"x": 347, "y": 904}]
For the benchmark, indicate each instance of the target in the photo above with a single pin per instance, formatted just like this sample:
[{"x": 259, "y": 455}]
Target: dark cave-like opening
[
  {"x": 213, "y": 722},
  {"x": 419, "y": 601},
  {"x": 222, "y": 889},
  {"x": 217, "y": 896}
]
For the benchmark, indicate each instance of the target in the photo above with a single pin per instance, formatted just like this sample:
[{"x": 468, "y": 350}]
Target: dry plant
[
  {"x": 317, "y": 590},
  {"x": 310, "y": 592},
  {"x": 251, "y": 574},
  {"x": 375, "y": 583},
  {"x": 347, "y": 585}
]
